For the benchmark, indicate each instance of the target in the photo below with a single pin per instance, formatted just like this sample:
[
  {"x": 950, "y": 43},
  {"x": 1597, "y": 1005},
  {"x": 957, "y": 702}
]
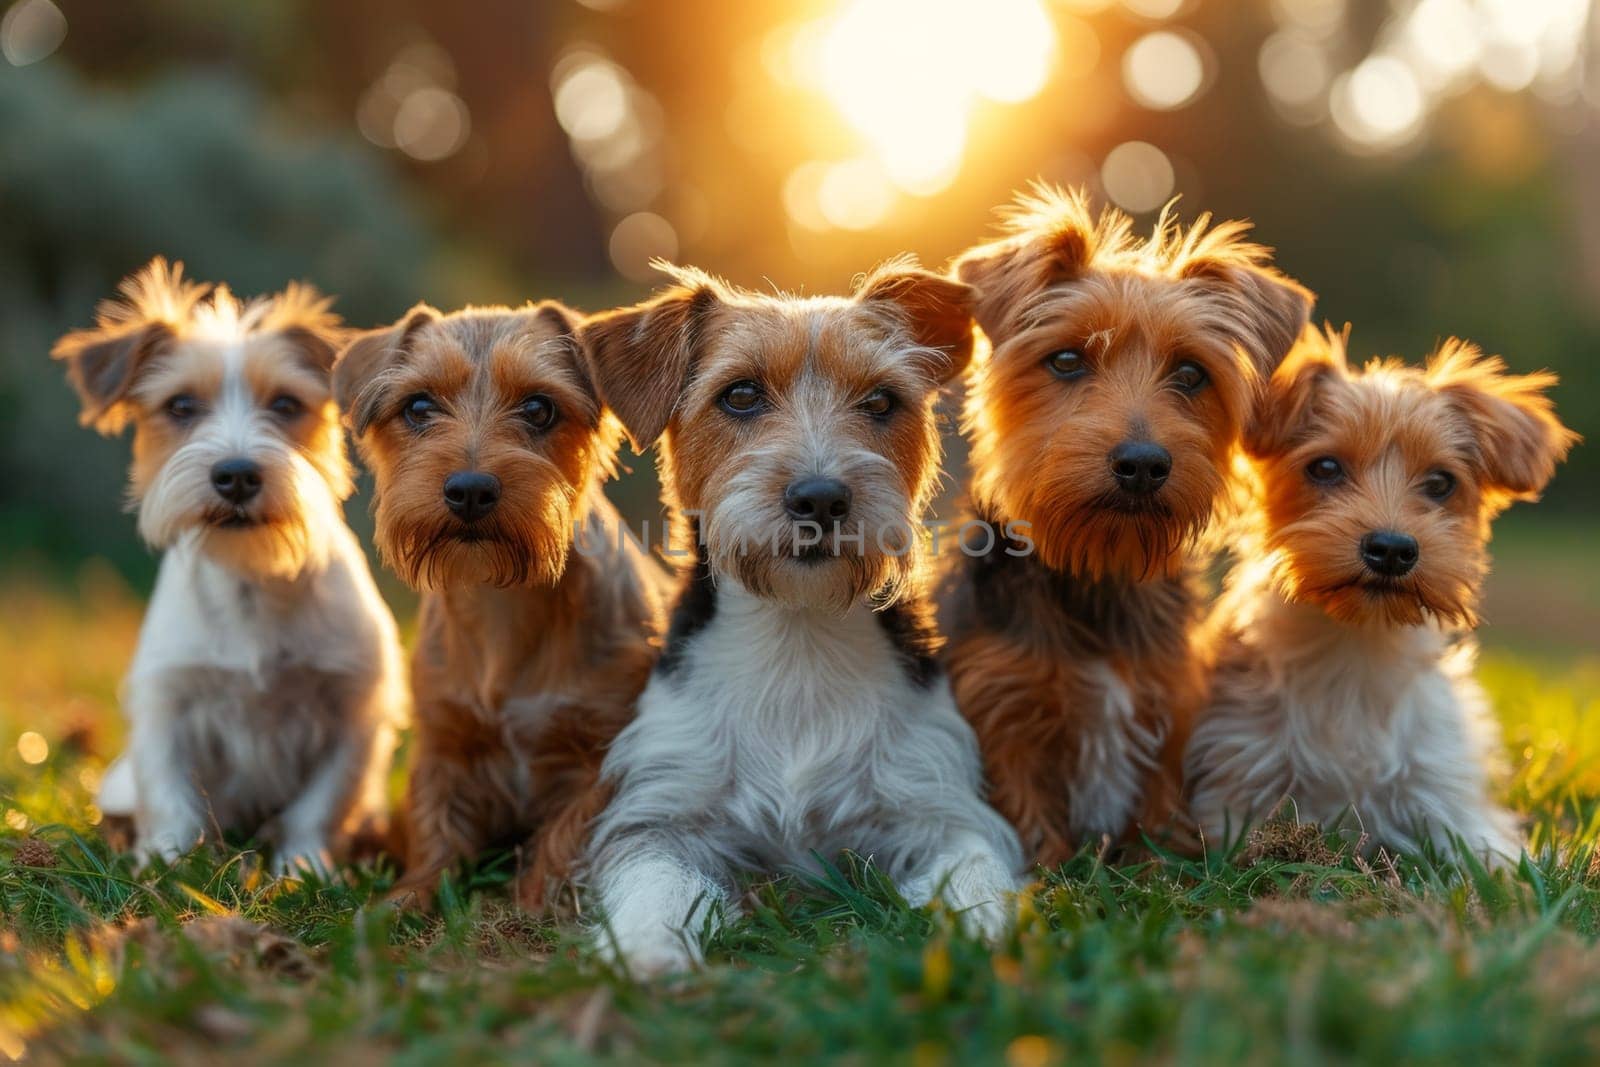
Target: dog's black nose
[
  {"x": 471, "y": 494},
  {"x": 236, "y": 480},
  {"x": 1140, "y": 466},
  {"x": 817, "y": 499},
  {"x": 1388, "y": 553}
]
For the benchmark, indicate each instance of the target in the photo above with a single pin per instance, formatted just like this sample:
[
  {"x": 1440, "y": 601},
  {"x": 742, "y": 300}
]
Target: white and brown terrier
[
  {"x": 797, "y": 708},
  {"x": 489, "y": 446},
  {"x": 1104, "y": 425},
  {"x": 268, "y": 682},
  {"x": 1344, "y": 686}
]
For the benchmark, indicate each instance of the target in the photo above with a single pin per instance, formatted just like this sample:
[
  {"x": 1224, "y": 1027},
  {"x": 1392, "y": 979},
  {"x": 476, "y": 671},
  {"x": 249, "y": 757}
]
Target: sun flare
[{"x": 907, "y": 74}]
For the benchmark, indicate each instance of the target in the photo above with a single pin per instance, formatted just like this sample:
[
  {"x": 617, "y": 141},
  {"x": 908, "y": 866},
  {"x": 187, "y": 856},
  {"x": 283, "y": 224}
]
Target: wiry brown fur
[
  {"x": 1389, "y": 426},
  {"x": 1103, "y": 608},
  {"x": 530, "y": 652}
]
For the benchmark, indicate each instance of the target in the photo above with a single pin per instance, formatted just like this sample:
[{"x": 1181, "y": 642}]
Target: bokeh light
[
  {"x": 1138, "y": 176},
  {"x": 33, "y": 748},
  {"x": 1155, "y": 9},
  {"x": 1164, "y": 70},
  {"x": 1296, "y": 72},
  {"x": 614, "y": 127},
  {"x": 30, "y": 31},
  {"x": 1379, "y": 104},
  {"x": 639, "y": 238},
  {"x": 413, "y": 106}
]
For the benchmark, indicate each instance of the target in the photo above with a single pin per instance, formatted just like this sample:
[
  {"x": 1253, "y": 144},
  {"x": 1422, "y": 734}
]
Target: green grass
[{"x": 1284, "y": 951}]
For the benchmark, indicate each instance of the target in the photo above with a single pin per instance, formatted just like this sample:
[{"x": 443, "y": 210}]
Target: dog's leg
[
  {"x": 440, "y": 830},
  {"x": 308, "y": 825},
  {"x": 559, "y": 844},
  {"x": 171, "y": 815},
  {"x": 655, "y": 902}
]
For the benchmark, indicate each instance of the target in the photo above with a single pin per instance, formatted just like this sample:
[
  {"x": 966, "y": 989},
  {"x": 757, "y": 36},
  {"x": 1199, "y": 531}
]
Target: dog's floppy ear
[
  {"x": 1266, "y": 310},
  {"x": 1005, "y": 273},
  {"x": 1053, "y": 237},
  {"x": 1282, "y": 406},
  {"x": 641, "y": 356},
  {"x": 102, "y": 365},
  {"x": 301, "y": 314},
  {"x": 358, "y": 369},
  {"x": 567, "y": 325},
  {"x": 104, "y": 362},
  {"x": 1520, "y": 440},
  {"x": 935, "y": 310}
]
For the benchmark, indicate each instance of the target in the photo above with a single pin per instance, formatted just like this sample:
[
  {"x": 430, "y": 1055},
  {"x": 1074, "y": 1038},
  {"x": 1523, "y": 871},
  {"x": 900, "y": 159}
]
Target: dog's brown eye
[
  {"x": 878, "y": 403},
  {"x": 418, "y": 410},
  {"x": 742, "y": 398},
  {"x": 183, "y": 407},
  {"x": 1325, "y": 470},
  {"x": 1438, "y": 485},
  {"x": 539, "y": 411},
  {"x": 286, "y": 406},
  {"x": 1067, "y": 363},
  {"x": 1190, "y": 377}
]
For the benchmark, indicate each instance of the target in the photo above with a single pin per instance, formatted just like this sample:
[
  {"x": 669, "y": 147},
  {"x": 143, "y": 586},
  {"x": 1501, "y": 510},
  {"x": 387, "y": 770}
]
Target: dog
[
  {"x": 1104, "y": 426},
  {"x": 1344, "y": 685},
  {"x": 798, "y": 708},
  {"x": 268, "y": 681},
  {"x": 489, "y": 446}
]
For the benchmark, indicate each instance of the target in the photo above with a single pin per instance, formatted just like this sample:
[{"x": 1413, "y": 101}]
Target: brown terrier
[
  {"x": 1344, "y": 684},
  {"x": 488, "y": 445},
  {"x": 1104, "y": 426}
]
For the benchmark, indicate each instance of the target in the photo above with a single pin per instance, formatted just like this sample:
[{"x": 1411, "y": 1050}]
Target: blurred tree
[{"x": 92, "y": 185}]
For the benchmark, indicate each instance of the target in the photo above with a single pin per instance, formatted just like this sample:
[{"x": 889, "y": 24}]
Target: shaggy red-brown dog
[
  {"x": 488, "y": 445},
  {"x": 1104, "y": 426},
  {"x": 1344, "y": 684}
]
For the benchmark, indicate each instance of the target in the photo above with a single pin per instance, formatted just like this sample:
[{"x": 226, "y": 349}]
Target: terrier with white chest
[
  {"x": 489, "y": 447},
  {"x": 1344, "y": 686},
  {"x": 1104, "y": 426},
  {"x": 268, "y": 682},
  {"x": 797, "y": 708}
]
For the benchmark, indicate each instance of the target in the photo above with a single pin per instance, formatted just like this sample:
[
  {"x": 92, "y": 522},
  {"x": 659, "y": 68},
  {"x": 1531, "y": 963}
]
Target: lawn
[{"x": 1285, "y": 950}]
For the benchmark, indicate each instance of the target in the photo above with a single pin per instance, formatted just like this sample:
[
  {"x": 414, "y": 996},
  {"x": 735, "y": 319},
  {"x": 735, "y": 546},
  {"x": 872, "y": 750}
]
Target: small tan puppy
[
  {"x": 489, "y": 447},
  {"x": 268, "y": 680},
  {"x": 1345, "y": 685}
]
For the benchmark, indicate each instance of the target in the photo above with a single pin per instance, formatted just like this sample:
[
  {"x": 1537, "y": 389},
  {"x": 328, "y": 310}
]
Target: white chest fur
[
  {"x": 773, "y": 734},
  {"x": 791, "y": 731},
  {"x": 1382, "y": 729}
]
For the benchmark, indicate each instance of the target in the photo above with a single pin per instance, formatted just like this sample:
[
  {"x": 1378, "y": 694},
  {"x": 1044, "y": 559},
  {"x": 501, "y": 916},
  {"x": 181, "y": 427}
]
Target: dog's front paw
[
  {"x": 294, "y": 858},
  {"x": 163, "y": 848},
  {"x": 978, "y": 890},
  {"x": 651, "y": 953}
]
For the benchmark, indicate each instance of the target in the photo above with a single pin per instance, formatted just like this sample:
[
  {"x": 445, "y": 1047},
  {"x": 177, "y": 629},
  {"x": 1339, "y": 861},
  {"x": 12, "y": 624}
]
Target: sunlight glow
[
  {"x": 906, "y": 75},
  {"x": 855, "y": 194}
]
